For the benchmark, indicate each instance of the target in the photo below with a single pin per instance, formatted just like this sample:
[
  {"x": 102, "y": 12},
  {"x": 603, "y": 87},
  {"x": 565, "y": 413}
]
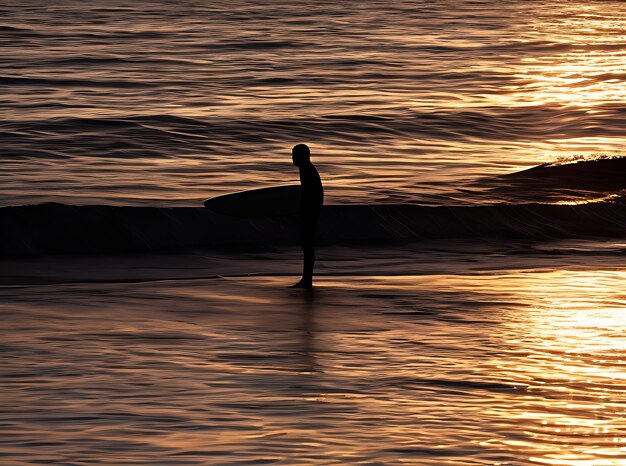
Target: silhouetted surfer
[{"x": 312, "y": 201}]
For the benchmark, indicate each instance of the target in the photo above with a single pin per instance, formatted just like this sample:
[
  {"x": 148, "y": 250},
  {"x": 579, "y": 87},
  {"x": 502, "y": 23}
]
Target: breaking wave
[{"x": 66, "y": 229}]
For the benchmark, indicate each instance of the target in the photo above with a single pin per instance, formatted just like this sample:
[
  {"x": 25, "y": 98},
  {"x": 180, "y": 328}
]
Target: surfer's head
[{"x": 300, "y": 154}]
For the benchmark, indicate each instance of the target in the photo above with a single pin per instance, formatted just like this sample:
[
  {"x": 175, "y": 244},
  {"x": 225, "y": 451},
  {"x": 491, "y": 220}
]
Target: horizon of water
[{"x": 164, "y": 104}]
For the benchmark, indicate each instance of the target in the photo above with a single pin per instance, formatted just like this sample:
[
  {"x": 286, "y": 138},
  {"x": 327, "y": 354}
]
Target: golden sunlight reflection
[
  {"x": 564, "y": 332},
  {"x": 578, "y": 364},
  {"x": 509, "y": 367},
  {"x": 608, "y": 197},
  {"x": 579, "y": 79},
  {"x": 587, "y": 72}
]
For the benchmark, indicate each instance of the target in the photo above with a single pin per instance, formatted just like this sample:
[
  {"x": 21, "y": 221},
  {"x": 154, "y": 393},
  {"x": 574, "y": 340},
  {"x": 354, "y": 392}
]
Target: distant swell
[
  {"x": 165, "y": 135},
  {"x": 52, "y": 82},
  {"x": 64, "y": 229}
]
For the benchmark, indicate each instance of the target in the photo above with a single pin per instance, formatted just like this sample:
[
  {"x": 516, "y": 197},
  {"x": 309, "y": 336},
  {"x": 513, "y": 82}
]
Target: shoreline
[{"x": 451, "y": 257}]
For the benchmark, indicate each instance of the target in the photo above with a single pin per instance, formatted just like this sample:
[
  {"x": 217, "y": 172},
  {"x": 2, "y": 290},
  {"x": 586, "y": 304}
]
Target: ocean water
[
  {"x": 482, "y": 327},
  {"x": 516, "y": 368},
  {"x": 166, "y": 103}
]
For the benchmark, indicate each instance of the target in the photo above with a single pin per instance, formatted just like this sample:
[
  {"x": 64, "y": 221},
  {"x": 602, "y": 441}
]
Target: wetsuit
[{"x": 312, "y": 201}]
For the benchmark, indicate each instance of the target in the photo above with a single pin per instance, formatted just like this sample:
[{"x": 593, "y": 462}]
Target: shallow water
[
  {"x": 508, "y": 368},
  {"x": 166, "y": 103}
]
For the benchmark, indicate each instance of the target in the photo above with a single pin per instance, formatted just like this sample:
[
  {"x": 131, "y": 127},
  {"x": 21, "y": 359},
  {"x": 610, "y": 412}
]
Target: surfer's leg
[{"x": 308, "y": 250}]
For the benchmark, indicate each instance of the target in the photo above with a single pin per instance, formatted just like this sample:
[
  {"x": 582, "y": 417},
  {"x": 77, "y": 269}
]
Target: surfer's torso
[{"x": 312, "y": 198}]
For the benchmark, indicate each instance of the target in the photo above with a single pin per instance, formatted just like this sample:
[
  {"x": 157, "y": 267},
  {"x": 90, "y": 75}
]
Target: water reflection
[
  {"x": 509, "y": 368},
  {"x": 575, "y": 368},
  {"x": 308, "y": 328}
]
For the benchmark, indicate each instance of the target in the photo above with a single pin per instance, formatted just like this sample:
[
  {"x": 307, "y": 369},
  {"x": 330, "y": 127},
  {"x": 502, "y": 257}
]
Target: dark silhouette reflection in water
[
  {"x": 312, "y": 201},
  {"x": 309, "y": 362}
]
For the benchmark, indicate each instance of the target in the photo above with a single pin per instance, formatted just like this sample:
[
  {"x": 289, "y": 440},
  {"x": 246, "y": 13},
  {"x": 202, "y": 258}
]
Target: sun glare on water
[{"x": 578, "y": 366}]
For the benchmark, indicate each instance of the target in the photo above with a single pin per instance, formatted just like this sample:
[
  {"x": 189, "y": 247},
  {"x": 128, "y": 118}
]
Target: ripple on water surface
[
  {"x": 509, "y": 368},
  {"x": 169, "y": 103}
]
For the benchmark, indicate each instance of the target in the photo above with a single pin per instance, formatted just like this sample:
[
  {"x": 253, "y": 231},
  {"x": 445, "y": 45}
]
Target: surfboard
[{"x": 264, "y": 202}]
